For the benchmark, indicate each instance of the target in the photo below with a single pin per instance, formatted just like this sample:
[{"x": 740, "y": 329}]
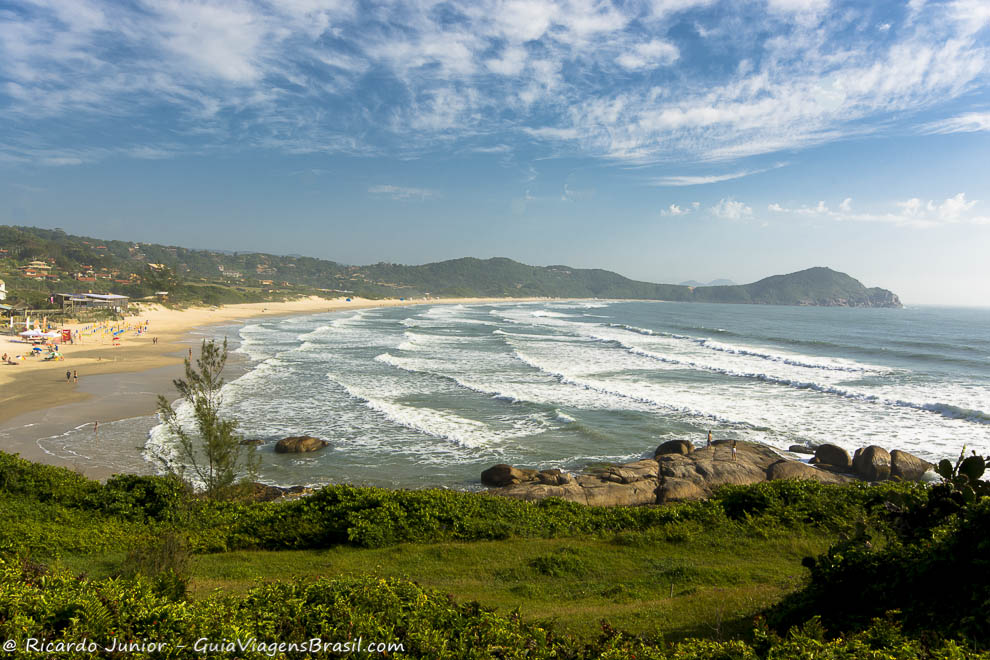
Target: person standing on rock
[
  {"x": 733, "y": 449},
  {"x": 709, "y": 445}
]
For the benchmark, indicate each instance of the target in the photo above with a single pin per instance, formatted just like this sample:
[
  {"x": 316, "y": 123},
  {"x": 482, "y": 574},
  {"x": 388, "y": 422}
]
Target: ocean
[{"x": 431, "y": 395}]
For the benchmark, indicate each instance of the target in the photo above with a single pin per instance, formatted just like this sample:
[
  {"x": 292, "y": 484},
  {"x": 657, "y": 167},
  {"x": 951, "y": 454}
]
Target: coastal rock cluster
[{"x": 679, "y": 471}]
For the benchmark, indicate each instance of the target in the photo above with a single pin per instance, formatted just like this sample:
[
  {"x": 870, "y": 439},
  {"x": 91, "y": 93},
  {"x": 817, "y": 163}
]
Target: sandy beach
[{"x": 121, "y": 379}]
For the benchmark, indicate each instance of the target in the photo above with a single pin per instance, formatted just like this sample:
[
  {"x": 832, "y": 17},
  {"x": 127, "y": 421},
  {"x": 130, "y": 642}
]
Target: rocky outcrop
[
  {"x": 907, "y": 467},
  {"x": 785, "y": 469},
  {"x": 800, "y": 449},
  {"x": 872, "y": 463},
  {"x": 674, "y": 475},
  {"x": 631, "y": 484},
  {"x": 501, "y": 475},
  {"x": 505, "y": 475},
  {"x": 710, "y": 468},
  {"x": 299, "y": 444},
  {"x": 674, "y": 447},
  {"x": 266, "y": 493},
  {"x": 832, "y": 455}
]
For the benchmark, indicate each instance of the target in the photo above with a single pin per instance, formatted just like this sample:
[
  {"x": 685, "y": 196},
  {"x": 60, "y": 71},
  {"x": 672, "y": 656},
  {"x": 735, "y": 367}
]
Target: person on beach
[
  {"x": 709, "y": 445},
  {"x": 733, "y": 449},
  {"x": 68, "y": 376},
  {"x": 75, "y": 376},
  {"x": 96, "y": 427}
]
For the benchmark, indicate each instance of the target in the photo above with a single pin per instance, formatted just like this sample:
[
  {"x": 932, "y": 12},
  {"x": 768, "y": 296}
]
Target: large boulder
[
  {"x": 710, "y": 469},
  {"x": 872, "y": 463},
  {"x": 784, "y": 469},
  {"x": 682, "y": 447},
  {"x": 554, "y": 477},
  {"x": 260, "y": 492},
  {"x": 832, "y": 455},
  {"x": 607, "y": 493},
  {"x": 506, "y": 475},
  {"x": 677, "y": 490},
  {"x": 629, "y": 473},
  {"x": 907, "y": 467},
  {"x": 534, "y": 492},
  {"x": 299, "y": 444},
  {"x": 800, "y": 449}
]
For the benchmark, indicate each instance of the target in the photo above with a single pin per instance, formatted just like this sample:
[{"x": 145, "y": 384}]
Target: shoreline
[{"x": 123, "y": 382}]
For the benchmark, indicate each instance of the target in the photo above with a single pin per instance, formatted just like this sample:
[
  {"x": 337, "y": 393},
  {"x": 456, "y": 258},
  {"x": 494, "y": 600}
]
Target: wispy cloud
[
  {"x": 403, "y": 193},
  {"x": 572, "y": 194},
  {"x": 698, "y": 180},
  {"x": 970, "y": 122},
  {"x": 600, "y": 78},
  {"x": 913, "y": 212}
]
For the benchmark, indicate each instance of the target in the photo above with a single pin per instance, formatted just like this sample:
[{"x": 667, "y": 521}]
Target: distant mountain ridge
[{"x": 135, "y": 269}]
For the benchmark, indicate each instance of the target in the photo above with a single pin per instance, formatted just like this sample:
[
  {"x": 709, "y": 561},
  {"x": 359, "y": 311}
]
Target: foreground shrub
[
  {"x": 941, "y": 583},
  {"x": 86, "y": 617}
]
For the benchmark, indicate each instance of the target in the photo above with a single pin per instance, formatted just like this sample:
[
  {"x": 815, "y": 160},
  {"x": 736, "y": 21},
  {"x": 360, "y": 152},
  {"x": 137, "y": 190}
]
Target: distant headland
[{"x": 36, "y": 263}]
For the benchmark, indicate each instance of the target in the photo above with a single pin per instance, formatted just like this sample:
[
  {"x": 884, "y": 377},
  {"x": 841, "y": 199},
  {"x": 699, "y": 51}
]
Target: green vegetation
[
  {"x": 214, "y": 450},
  {"x": 212, "y": 277},
  {"x": 897, "y": 570}
]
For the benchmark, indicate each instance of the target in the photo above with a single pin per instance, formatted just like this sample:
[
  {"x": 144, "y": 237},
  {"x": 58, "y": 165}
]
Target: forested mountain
[{"x": 67, "y": 263}]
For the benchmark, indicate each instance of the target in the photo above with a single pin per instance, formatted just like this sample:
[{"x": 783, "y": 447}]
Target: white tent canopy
[{"x": 39, "y": 333}]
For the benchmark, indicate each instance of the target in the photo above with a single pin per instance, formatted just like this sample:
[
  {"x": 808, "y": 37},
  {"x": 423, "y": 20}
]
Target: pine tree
[{"x": 213, "y": 450}]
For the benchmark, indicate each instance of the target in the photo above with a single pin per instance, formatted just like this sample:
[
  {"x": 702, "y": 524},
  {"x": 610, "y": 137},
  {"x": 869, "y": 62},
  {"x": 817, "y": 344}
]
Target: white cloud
[
  {"x": 972, "y": 15},
  {"x": 913, "y": 212},
  {"x": 970, "y": 122},
  {"x": 731, "y": 209},
  {"x": 403, "y": 193},
  {"x": 697, "y": 180},
  {"x": 674, "y": 210},
  {"x": 797, "y": 6},
  {"x": 401, "y": 76},
  {"x": 649, "y": 55},
  {"x": 511, "y": 63},
  {"x": 215, "y": 41}
]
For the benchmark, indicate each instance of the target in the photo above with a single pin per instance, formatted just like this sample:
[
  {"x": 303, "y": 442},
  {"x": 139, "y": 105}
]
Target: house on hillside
[
  {"x": 3, "y": 290},
  {"x": 36, "y": 270}
]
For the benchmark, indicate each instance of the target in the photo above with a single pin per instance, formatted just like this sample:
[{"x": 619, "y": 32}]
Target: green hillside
[
  {"x": 79, "y": 263},
  {"x": 814, "y": 286}
]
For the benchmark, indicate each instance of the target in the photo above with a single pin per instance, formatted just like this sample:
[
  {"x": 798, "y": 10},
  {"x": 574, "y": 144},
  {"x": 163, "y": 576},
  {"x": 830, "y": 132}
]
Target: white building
[{"x": 3, "y": 290}]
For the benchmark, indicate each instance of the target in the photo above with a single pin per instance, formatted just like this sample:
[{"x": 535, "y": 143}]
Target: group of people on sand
[{"x": 712, "y": 446}]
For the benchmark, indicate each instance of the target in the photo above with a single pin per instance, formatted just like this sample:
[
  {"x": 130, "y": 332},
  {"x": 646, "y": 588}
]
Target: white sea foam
[{"x": 460, "y": 430}]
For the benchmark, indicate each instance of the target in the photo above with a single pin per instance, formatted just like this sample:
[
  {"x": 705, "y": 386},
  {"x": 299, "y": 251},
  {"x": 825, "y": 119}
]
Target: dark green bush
[{"x": 59, "y": 607}]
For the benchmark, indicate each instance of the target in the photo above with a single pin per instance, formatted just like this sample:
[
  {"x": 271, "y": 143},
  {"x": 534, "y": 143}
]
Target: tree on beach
[{"x": 213, "y": 450}]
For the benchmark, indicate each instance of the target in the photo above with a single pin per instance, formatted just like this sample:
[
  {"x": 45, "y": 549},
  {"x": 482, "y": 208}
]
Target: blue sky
[{"x": 664, "y": 139}]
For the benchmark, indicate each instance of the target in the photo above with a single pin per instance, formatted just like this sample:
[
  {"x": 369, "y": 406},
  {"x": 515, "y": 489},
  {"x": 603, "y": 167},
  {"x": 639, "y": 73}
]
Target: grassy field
[
  {"x": 682, "y": 581},
  {"x": 457, "y": 575}
]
